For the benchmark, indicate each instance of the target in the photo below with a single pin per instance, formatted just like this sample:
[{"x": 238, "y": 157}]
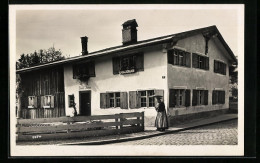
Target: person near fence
[{"x": 161, "y": 121}]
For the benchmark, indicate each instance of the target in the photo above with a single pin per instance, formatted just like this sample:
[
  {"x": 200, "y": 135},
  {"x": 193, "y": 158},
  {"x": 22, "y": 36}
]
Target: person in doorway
[{"x": 161, "y": 121}]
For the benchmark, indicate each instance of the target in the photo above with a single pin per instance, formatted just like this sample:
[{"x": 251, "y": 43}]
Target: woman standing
[{"x": 161, "y": 121}]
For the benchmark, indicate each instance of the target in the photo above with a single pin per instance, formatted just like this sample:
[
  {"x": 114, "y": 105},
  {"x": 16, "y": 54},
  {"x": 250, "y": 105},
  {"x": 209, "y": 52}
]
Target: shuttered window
[
  {"x": 84, "y": 70},
  {"x": 200, "y": 62},
  {"x": 218, "y": 97},
  {"x": 128, "y": 64},
  {"x": 220, "y": 67},
  {"x": 32, "y": 101},
  {"x": 199, "y": 97},
  {"x": 179, "y": 97},
  {"x": 179, "y": 57},
  {"x": 143, "y": 98},
  {"x": 47, "y": 100},
  {"x": 114, "y": 100}
]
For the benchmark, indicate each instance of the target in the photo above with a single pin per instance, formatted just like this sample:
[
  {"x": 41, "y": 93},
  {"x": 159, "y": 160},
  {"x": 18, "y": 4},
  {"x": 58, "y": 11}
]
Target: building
[{"x": 189, "y": 69}]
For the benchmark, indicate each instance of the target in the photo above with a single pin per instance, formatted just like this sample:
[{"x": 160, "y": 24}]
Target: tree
[{"x": 43, "y": 56}]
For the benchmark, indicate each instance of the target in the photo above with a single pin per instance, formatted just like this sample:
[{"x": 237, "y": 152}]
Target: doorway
[{"x": 85, "y": 103}]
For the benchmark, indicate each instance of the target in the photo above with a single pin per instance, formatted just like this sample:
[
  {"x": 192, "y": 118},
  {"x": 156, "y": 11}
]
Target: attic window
[{"x": 84, "y": 70}]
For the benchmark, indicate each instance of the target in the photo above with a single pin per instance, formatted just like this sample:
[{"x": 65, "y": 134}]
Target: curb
[{"x": 112, "y": 141}]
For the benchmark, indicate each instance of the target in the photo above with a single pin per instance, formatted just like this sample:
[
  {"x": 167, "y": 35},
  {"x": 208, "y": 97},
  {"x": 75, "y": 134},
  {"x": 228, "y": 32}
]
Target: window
[
  {"x": 179, "y": 57},
  {"x": 128, "y": 64},
  {"x": 32, "y": 102},
  {"x": 84, "y": 70},
  {"x": 143, "y": 98},
  {"x": 218, "y": 97},
  {"x": 71, "y": 100},
  {"x": 113, "y": 100},
  {"x": 179, "y": 98},
  {"x": 200, "y": 97},
  {"x": 47, "y": 101},
  {"x": 200, "y": 62},
  {"x": 219, "y": 67}
]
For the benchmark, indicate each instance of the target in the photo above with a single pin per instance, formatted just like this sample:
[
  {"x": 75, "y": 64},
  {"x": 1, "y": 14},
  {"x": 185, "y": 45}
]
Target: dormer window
[{"x": 84, "y": 70}]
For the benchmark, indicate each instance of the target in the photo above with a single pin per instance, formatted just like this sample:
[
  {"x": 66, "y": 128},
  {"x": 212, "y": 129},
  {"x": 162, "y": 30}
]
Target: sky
[{"x": 42, "y": 29}]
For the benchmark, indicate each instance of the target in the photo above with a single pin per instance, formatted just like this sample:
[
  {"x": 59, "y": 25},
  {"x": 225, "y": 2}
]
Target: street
[{"x": 224, "y": 133}]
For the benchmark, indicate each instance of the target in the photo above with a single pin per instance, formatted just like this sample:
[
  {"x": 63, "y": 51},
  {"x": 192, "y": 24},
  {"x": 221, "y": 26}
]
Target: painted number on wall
[{"x": 36, "y": 136}]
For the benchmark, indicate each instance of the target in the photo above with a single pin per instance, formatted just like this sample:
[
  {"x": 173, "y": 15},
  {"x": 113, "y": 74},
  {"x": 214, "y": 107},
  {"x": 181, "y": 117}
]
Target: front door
[{"x": 85, "y": 103}]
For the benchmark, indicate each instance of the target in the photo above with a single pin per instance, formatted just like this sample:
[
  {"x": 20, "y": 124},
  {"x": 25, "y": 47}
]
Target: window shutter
[
  {"x": 140, "y": 62},
  {"x": 92, "y": 69},
  {"x": 75, "y": 71},
  {"x": 206, "y": 93},
  {"x": 187, "y": 59},
  {"x": 138, "y": 100},
  {"x": 170, "y": 56},
  {"x": 132, "y": 99},
  {"x": 225, "y": 69},
  {"x": 171, "y": 98},
  {"x": 223, "y": 97},
  {"x": 194, "y": 97},
  {"x": 116, "y": 65},
  {"x": 207, "y": 63},
  {"x": 103, "y": 100},
  {"x": 187, "y": 97},
  {"x": 42, "y": 101},
  {"x": 52, "y": 101},
  {"x": 194, "y": 60},
  {"x": 159, "y": 92},
  {"x": 215, "y": 66},
  {"x": 35, "y": 101},
  {"x": 214, "y": 97},
  {"x": 123, "y": 100}
]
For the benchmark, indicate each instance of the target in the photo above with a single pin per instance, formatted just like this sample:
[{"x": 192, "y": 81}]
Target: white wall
[{"x": 151, "y": 78}]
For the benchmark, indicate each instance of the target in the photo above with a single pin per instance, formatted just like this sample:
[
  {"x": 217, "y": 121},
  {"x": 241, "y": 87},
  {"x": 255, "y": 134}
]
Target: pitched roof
[{"x": 139, "y": 44}]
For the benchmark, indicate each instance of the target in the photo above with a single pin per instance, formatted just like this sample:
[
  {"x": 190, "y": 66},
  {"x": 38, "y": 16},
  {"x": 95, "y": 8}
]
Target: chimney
[
  {"x": 84, "y": 43},
  {"x": 129, "y": 32}
]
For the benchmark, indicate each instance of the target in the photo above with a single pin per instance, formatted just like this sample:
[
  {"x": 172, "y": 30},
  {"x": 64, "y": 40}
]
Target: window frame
[
  {"x": 114, "y": 98},
  {"x": 147, "y": 98},
  {"x": 33, "y": 98},
  {"x": 177, "y": 54},
  {"x": 220, "y": 67}
]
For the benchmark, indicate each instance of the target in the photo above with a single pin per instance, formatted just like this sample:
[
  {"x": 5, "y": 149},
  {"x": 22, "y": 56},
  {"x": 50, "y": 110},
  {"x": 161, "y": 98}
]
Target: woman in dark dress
[{"x": 161, "y": 121}]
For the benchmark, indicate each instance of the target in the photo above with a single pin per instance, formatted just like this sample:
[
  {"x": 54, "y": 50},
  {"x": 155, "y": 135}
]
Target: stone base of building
[{"x": 186, "y": 118}]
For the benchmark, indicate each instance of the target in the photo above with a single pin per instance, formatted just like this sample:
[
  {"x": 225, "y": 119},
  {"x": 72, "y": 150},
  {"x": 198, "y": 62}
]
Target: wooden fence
[{"x": 79, "y": 126}]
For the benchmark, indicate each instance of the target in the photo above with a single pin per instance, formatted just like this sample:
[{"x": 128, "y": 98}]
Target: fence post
[
  {"x": 121, "y": 122},
  {"x": 142, "y": 121},
  {"x": 116, "y": 120}
]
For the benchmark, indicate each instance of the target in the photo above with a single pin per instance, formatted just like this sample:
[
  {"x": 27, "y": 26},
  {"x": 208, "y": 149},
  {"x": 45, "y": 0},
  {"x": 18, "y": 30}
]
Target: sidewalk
[{"x": 151, "y": 131}]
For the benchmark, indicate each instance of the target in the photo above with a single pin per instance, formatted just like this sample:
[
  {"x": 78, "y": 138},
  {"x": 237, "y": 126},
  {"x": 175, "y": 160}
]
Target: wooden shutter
[
  {"x": 91, "y": 69},
  {"x": 224, "y": 68},
  {"x": 187, "y": 97},
  {"x": 160, "y": 93},
  {"x": 172, "y": 98},
  {"x": 194, "y": 60},
  {"x": 170, "y": 56},
  {"x": 123, "y": 100},
  {"x": 132, "y": 99},
  {"x": 116, "y": 65},
  {"x": 75, "y": 71},
  {"x": 138, "y": 99},
  {"x": 222, "y": 97},
  {"x": 187, "y": 59},
  {"x": 206, "y": 93},
  {"x": 42, "y": 101},
  {"x": 35, "y": 101},
  {"x": 215, "y": 66},
  {"x": 139, "y": 62},
  {"x": 194, "y": 97},
  {"x": 207, "y": 63},
  {"x": 214, "y": 97},
  {"x": 103, "y": 100},
  {"x": 52, "y": 101}
]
